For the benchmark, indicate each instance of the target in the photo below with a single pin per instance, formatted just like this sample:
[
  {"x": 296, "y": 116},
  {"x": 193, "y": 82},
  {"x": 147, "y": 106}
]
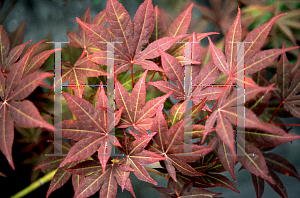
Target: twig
[
  {"x": 155, "y": 172},
  {"x": 38, "y": 183},
  {"x": 275, "y": 112}
]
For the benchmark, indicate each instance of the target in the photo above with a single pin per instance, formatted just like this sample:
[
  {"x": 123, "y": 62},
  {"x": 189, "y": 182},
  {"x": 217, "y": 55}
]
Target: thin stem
[
  {"x": 116, "y": 158},
  {"x": 285, "y": 124},
  {"x": 131, "y": 134},
  {"x": 132, "y": 75},
  {"x": 202, "y": 119},
  {"x": 275, "y": 112},
  {"x": 36, "y": 184},
  {"x": 155, "y": 172},
  {"x": 150, "y": 79},
  {"x": 72, "y": 93},
  {"x": 220, "y": 94},
  {"x": 8, "y": 10},
  {"x": 175, "y": 191}
]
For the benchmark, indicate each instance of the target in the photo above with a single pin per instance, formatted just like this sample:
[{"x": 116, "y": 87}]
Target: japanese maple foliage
[
  {"x": 18, "y": 79},
  {"x": 166, "y": 123}
]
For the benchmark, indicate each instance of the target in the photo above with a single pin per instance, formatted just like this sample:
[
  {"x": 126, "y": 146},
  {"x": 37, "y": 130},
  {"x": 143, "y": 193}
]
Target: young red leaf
[
  {"x": 135, "y": 112},
  {"x": 226, "y": 158},
  {"x": 27, "y": 85},
  {"x": 106, "y": 181},
  {"x": 16, "y": 37},
  {"x": 181, "y": 24},
  {"x": 278, "y": 187},
  {"x": 222, "y": 181},
  {"x": 143, "y": 24},
  {"x": 59, "y": 179},
  {"x": 6, "y": 133},
  {"x": 4, "y": 43},
  {"x": 85, "y": 168},
  {"x": 259, "y": 185},
  {"x": 253, "y": 160},
  {"x": 169, "y": 144},
  {"x": 26, "y": 115},
  {"x": 280, "y": 164},
  {"x": 91, "y": 131},
  {"x": 160, "y": 26},
  {"x": 75, "y": 74}
]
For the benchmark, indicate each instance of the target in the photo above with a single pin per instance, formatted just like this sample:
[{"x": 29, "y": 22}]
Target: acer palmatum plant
[
  {"x": 150, "y": 68},
  {"x": 18, "y": 79}
]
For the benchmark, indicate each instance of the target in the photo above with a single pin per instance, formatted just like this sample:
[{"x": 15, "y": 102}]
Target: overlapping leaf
[
  {"x": 90, "y": 130},
  {"x": 61, "y": 176},
  {"x": 136, "y": 113},
  {"x": 132, "y": 35},
  {"x": 106, "y": 181},
  {"x": 175, "y": 72},
  {"x": 288, "y": 86},
  {"x": 168, "y": 143},
  {"x": 81, "y": 40},
  {"x": 75, "y": 74},
  {"x": 226, "y": 115},
  {"x": 136, "y": 157},
  {"x": 254, "y": 59},
  {"x": 15, "y": 87}
]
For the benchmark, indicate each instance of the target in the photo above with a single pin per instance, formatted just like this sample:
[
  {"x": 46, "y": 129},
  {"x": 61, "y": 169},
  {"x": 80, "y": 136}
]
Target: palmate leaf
[
  {"x": 14, "y": 88},
  {"x": 133, "y": 35},
  {"x": 279, "y": 164},
  {"x": 226, "y": 158},
  {"x": 226, "y": 115},
  {"x": 136, "y": 156},
  {"x": 263, "y": 139},
  {"x": 254, "y": 59},
  {"x": 81, "y": 40},
  {"x": 259, "y": 185},
  {"x": 75, "y": 74},
  {"x": 221, "y": 181},
  {"x": 253, "y": 160},
  {"x": 61, "y": 176},
  {"x": 168, "y": 143},
  {"x": 136, "y": 113},
  {"x": 90, "y": 130},
  {"x": 106, "y": 181},
  {"x": 175, "y": 72},
  {"x": 288, "y": 86}
]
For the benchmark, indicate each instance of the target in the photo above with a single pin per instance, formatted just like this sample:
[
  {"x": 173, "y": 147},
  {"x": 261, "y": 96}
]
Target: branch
[{"x": 38, "y": 183}]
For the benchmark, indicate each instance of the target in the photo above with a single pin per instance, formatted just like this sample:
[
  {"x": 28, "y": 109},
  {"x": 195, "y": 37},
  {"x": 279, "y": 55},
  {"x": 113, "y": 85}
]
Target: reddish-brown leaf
[
  {"x": 253, "y": 160},
  {"x": 280, "y": 164},
  {"x": 259, "y": 185},
  {"x": 278, "y": 187},
  {"x": 27, "y": 85},
  {"x": 26, "y": 115},
  {"x": 16, "y": 37},
  {"x": 227, "y": 158},
  {"x": 181, "y": 24},
  {"x": 6, "y": 133},
  {"x": 160, "y": 26}
]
